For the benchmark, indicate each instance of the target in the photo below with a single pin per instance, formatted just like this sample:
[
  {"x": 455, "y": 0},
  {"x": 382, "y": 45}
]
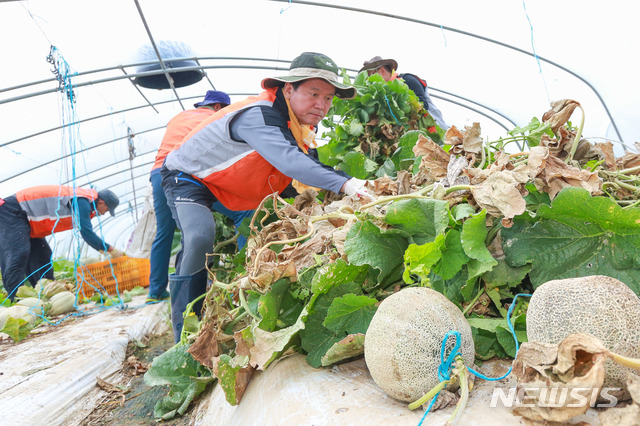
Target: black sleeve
[{"x": 417, "y": 88}]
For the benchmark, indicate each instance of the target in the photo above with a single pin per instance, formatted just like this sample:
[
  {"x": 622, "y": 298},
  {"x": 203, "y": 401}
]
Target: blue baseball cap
[
  {"x": 214, "y": 97},
  {"x": 110, "y": 199}
]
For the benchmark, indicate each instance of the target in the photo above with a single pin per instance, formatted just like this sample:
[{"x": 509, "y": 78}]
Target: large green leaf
[
  {"x": 316, "y": 339},
  {"x": 420, "y": 259},
  {"x": 349, "y": 347},
  {"x": 268, "y": 346},
  {"x": 578, "y": 235},
  {"x": 350, "y": 313},
  {"x": 366, "y": 244},
  {"x": 505, "y": 276},
  {"x": 337, "y": 273},
  {"x": 474, "y": 232},
  {"x": 453, "y": 256},
  {"x": 186, "y": 378},
  {"x": 357, "y": 165},
  {"x": 17, "y": 328},
  {"x": 423, "y": 219},
  {"x": 230, "y": 376},
  {"x": 452, "y": 288},
  {"x": 404, "y": 157}
]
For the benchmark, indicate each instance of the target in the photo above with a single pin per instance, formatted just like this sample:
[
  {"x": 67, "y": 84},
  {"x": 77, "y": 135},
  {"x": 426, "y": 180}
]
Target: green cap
[{"x": 313, "y": 65}]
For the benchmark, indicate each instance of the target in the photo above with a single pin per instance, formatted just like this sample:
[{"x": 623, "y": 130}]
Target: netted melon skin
[
  {"x": 402, "y": 344},
  {"x": 598, "y": 305}
]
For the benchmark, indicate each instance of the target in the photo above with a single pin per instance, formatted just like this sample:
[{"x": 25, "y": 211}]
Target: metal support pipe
[
  {"x": 153, "y": 43},
  {"x": 466, "y": 33}
]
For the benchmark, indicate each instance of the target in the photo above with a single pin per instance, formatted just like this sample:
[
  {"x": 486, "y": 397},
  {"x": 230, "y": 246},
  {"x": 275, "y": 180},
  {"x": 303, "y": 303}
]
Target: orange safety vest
[
  {"x": 239, "y": 180},
  {"x": 177, "y": 129},
  {"x": 48, "y": 207}
]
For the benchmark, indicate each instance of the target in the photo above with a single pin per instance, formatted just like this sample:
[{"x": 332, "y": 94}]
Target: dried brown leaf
[
  {"x": 558, "y": 379},
  {"x": 453, "y": 136},
  {"x": 557, "y": 175},
  {"x": 537, "y": 160},
  {"x": 134, "y": 366},
  {"x": 502, "y": 162},
  {"x": 403, "y": 179},
  {"x": 559, "y": 113},
  {"x": 561, "y": 146},
  {"x": 304, "y": 255},
  {"x": 385, "y": 186},
  {"x": 205, "y": 347},
  {"x": 434, "y": 159},
  {"x": 501, "y": 194},
  {"x": 472, "y": 142},
  {"x": 628, "y": 161},
  {"x": 305, "y": 199},
  {"x": 270, "y": 272}
]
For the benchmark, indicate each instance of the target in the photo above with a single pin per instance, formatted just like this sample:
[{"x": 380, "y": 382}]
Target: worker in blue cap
[{"x": 179, "y": 127}]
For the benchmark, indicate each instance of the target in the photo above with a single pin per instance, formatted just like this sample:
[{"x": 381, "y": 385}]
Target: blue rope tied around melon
[{"x": 444, "y": 370}]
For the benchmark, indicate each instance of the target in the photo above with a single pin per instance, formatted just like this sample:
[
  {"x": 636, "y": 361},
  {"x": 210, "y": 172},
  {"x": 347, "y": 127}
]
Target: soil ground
[{"x": 134, "y": 406}]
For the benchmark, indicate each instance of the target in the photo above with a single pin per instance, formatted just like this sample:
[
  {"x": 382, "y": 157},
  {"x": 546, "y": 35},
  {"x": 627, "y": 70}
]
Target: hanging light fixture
[{"x": 174, "y": 57}]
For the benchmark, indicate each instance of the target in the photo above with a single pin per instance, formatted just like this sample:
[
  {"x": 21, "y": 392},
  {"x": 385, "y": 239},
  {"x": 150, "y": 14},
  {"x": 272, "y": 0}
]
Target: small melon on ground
[
  {"x": 404, "y": 339},
  {"x": 598, "y": 305}
]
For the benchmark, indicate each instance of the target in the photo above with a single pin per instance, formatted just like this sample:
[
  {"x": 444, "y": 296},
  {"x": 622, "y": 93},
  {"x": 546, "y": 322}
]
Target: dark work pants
[
  {"x": 20, "y": 255},
  {"x": 190, "y": 204},
  {"x": 161, "y": 247}
]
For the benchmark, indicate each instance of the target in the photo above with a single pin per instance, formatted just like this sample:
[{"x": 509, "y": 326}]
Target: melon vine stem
[
  {"x": 431, "y": 394},
  {"x": 417, "y": 194},
  {"x": 188, "y": 310},
  {"x": 576, "y": 139},
  {"x": 463, "y": 375},
  {"x": 473, "y": 301},
  {"x": 245, "y": 305}
]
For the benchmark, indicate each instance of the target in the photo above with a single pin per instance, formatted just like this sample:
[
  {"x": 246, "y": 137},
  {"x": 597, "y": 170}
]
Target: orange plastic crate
[{"x": 129, "y": 272}]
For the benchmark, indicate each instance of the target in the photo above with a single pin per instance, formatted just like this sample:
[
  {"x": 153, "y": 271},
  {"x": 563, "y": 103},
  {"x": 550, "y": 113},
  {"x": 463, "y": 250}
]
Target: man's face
[
  {"x": 311, "y": 101},
  {"x": 101, "y": 207},
  {"x": 382, "y": 71}
]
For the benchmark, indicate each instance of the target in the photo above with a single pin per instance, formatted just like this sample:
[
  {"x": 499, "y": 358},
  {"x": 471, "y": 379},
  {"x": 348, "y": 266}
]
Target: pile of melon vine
[{"x": 477, "y": 221}]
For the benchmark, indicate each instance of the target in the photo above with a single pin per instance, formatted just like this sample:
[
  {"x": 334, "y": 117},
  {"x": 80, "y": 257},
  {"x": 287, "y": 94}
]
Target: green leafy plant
[{"x": 366, "y": 132}]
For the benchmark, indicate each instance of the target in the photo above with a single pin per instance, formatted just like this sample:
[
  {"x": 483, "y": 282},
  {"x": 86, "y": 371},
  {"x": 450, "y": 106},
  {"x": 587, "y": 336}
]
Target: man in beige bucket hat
[
  {"x": 245, "y": 152},
  {"x": 387, "y": 69}
]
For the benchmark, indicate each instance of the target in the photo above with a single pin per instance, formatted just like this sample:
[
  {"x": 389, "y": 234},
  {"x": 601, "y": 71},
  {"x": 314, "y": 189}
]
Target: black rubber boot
[{"x": 184, "y": 289}]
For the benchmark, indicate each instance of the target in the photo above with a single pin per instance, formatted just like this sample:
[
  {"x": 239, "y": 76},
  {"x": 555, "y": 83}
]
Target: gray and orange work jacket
[
  {"x": 177, "y": 129},
  {"x": 246, "y": 151},
  {"x": 48, "y": 207}
]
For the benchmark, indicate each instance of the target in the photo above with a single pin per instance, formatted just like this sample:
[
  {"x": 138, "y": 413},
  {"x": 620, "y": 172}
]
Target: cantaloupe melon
[
  {"x": 404, "y": 339},
  {"x": 598, "y": 305},
  {"x": 18, "y": 312}
]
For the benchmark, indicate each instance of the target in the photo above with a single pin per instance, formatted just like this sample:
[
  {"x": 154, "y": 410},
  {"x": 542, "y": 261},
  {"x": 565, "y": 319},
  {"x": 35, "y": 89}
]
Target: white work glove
[
  {"x": 356, "y": 187},
  {"x": 116, "y": 253}
]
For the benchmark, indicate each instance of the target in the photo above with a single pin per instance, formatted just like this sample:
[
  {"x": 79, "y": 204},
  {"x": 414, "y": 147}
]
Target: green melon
[
  {"x": 403, "y": 342},
  {"x": 597, "y": 305}
]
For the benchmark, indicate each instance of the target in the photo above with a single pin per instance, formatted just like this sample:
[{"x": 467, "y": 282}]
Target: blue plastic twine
[
  {"x": 444, "y": 370},
  {"x": 392, "y": 114}
]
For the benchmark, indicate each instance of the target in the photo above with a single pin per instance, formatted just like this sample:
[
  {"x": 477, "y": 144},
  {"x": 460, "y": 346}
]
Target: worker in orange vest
[
  {"x": 32, "y": 214},
  {"x": 177, "y": 129},
  {"x": 242, "y": 154}
]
